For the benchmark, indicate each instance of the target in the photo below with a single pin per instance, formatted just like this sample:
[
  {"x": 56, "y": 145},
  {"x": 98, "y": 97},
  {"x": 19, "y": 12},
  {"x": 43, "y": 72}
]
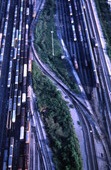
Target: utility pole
[{"x": 52, "y": 32}]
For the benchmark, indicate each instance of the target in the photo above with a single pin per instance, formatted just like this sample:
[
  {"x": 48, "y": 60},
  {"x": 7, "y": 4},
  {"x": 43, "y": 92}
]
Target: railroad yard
[
  {"x": 24, "y": 143},
  {"x": 15, "y": 66}
]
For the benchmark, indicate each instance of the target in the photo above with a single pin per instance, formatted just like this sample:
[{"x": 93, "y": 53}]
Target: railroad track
[
  {"x": 85, "y": 117},
  {"x": 104, "y": 79},
  {"x": 42, "y": 142},
  {"x": 89, "y": 140},
  {"x": 14, "y": 71},
  {"x": 78, "y": 101},
  {"x": 14, "y": 59}
]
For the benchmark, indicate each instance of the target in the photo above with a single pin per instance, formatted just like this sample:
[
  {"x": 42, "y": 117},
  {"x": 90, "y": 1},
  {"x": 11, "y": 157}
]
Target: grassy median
[
  {"x": 43, "y": 45},
  {"x": 58, "y": 123},
  {"x": 104, "y": 14}
]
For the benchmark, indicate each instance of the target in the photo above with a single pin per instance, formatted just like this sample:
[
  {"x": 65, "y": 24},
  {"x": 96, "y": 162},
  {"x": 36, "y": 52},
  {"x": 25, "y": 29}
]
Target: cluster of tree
[
  {"x": 58, "y": 123},
  {"x": 104, "y": 12},
  {"x": 43, "y": 45}
]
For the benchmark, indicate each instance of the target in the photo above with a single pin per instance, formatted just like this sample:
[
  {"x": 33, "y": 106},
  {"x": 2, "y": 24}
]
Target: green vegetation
[
  {"x": 53, "y": 108},
  {"x": 105, "y": 17},
  {"x": 58, "y": 123},
  {"x": 43, "y": 45}
]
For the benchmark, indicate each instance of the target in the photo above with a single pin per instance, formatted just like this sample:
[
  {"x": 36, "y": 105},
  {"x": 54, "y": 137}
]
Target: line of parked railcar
[
  {"x": 72, "y": 22},
  {"x": 3, "y": 35},
  {"x": 13, "y": 50},
  {"x": 5, "y": 157},
  {"x": 17, "y": 85},
  {"x": 8, "y": 153},
  {"x": 24, "y": 157},
  {"x": 93, "y": 43},
  {"x": 27, "y": 141},
  {"x": 74, "y": 33}
]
